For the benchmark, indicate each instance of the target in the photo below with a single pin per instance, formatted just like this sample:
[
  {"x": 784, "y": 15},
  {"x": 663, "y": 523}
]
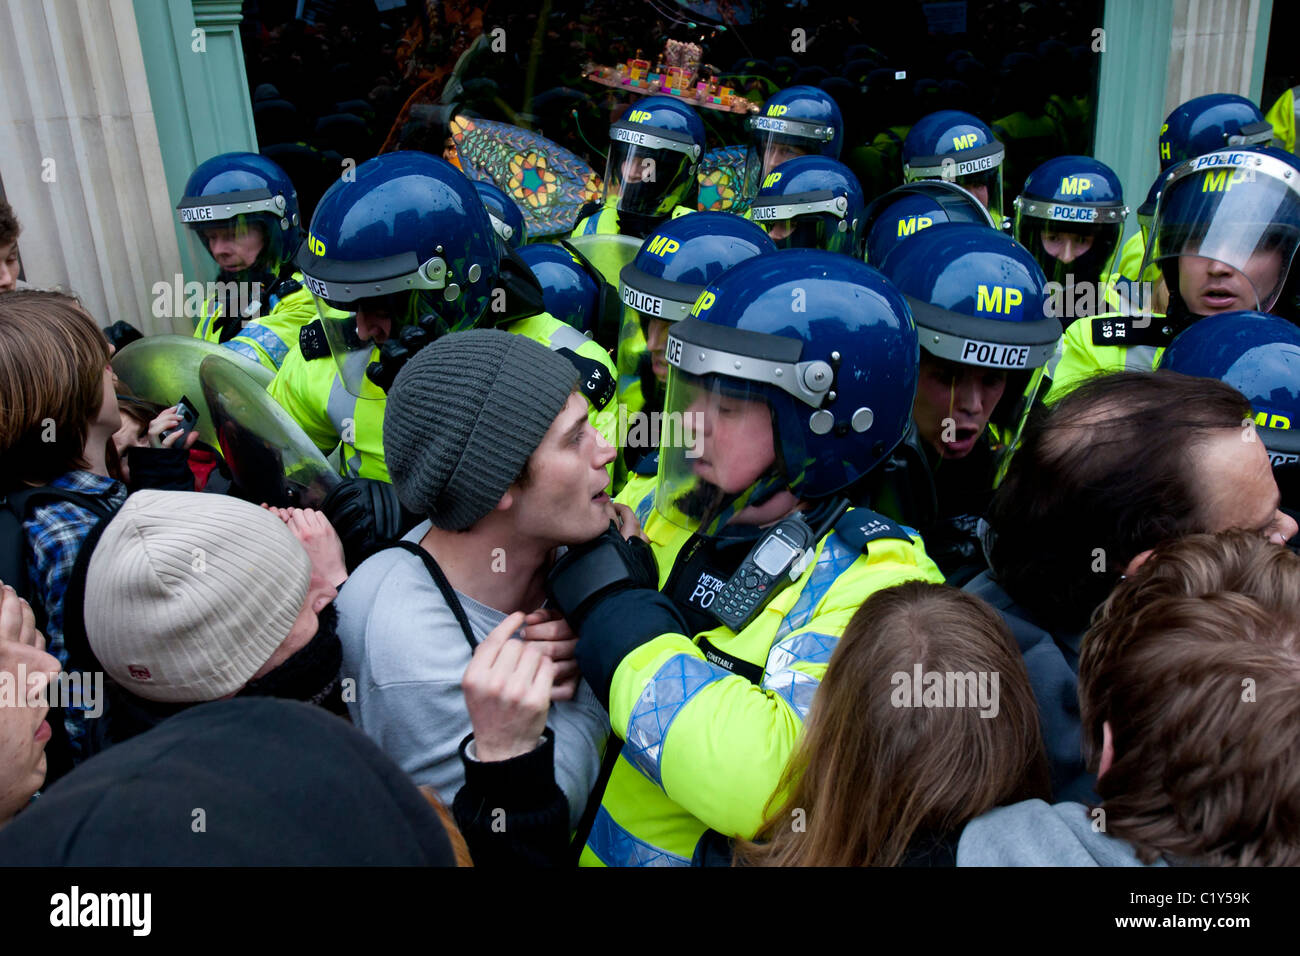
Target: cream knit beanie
[{"x": 188, "y": 595}]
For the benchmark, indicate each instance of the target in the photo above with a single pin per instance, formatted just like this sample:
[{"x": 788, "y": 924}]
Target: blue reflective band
[
  {"x": 834, "y": 560},
  {"x": 268, "y": 340},
  {"x": 617, "y": 847},
  {"x": 244, "y": 349},
  {"x": 663, "y": 698}
]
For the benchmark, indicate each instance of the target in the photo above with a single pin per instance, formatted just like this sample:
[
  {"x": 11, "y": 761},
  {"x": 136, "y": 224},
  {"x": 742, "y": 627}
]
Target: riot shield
[
  {"x": 163, "y": 368},
  {"x": 271, "y": 457}
]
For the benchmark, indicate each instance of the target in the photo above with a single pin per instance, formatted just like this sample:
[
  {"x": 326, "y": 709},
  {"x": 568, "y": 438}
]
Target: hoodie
[{"x": 1033, "y": 833}]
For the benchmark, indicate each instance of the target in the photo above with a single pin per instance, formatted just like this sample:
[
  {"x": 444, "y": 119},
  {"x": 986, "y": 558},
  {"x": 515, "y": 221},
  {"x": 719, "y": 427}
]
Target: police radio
[{"x": 781, "y": 554}]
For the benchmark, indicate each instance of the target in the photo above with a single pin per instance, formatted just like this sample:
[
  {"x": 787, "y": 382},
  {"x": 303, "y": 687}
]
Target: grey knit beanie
[{"x": 464, "y": 415}]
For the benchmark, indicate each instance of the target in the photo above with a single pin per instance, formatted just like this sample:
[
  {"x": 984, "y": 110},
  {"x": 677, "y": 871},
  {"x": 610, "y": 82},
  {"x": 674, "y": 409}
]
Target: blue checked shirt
[{"x": 55, "y": 532}]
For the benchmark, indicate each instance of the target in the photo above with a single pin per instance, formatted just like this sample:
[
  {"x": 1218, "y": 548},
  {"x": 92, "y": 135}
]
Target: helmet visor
[
  {"x": 1070, "y": 252},
  {"x": 1233, "y": 228},
  {"x": 716, "y": 441},
  {"x": 648, "y": 177},
  {"x": 351, "y": 353},
  {"x": 805, "y": 221}
]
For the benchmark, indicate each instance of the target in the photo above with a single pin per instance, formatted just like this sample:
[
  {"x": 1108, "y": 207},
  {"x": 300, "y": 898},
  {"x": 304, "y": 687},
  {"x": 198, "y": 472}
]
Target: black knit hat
[{"x": 464, "y": 415}]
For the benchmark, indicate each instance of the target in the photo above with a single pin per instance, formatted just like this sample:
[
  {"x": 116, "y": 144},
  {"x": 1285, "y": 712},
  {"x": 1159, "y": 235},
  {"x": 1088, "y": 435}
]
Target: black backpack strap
[
  {"x": 448, "y": 592},
  {"x": 14, "y": 509}
]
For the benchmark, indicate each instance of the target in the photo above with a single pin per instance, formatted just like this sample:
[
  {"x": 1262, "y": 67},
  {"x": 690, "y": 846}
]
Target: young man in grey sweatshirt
[{"x": 486, "y": 435}]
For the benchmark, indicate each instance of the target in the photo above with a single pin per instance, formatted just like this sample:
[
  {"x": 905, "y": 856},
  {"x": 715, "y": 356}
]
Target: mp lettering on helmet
[
  {"x": 1075, "y": 185},
  {"x": 777, "y": 109},
  {"x": 998, "y": 299},
  {"x": 1270, "y": 420},
  {"x": 913, "y": 224},
  {"x": 639, "y": 116},
  {"x": 317, "y": 246},
  {"x": 1224, "y": 179},
  {"x": 965, "y": 141},
  {"x": 663, "y": 247},
  {"x": 703, "y": 303},
  {"x": 771, "y": 180}
]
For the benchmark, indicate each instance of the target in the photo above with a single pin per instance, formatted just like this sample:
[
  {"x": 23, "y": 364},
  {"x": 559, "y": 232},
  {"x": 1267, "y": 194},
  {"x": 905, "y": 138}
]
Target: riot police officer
[
  {"x": 1225, "y": 232},
  {"x": 402, "y": 254},
  {"x": 1070, "y": 216},
  {"x": 650, "y": 175},
  {"x": 811, "y": 202},
  {"x": 507, "y": 220},
  {"x": 710, "y": 662},
  {"x": 979, "y": 299},
  {"x": 957, "y": 147},
  {"x": 797, "y": 121},
  {"x": 905, "y": 210},
  {"x": 243, "y": 209}
]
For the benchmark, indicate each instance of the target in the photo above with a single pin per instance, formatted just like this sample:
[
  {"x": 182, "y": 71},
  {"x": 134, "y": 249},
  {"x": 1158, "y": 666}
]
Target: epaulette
[
  {"x": 598, "y": 385},
  {"x": 860, "y": 526},
  {"x": 1127, "y": 330},
  {"x": 312, "y": 341},
  {"x": 283, "y": 289}
]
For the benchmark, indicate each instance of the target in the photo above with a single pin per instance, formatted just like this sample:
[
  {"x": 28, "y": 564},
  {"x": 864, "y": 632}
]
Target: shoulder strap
[
  {"x": 448, "y": 592},
  {"x": 312, "y": 341},
  {"x": 20, "y": 502},
  {"x": 860, "y": 526}
]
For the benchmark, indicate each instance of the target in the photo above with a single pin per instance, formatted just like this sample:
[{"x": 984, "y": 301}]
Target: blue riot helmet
[
  {"x": 957, "y": 147},
  {"x": 795, "y": 370},
  {"x": 507, "y": 220},
  {"x": 574, "y": 291},
  {"x": 401, "y": 254},
  {"x": 661, "y": 284},
  {"x": 234, "y": 192},
  {"x": 1226, "y": 229},
  {"x": 1259, "y": 355},
  {"x": 979, "y": 298},
  {"x": 812, "y": 202},
  {"x": 1146, "y": 213},
  {"x": 907, "y": 209},
  {"x": 654, "y": 155},
  {"x": 798, "y": 121},
  {"x": 1070, "y": 216},
  {"x": 1211, "y": 122}
]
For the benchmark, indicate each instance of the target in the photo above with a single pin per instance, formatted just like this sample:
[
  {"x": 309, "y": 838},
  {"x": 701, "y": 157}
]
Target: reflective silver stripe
[
  {"x": 637, "y": 135},
  {"x": 1063, "y": 211},
  {"x": 1140, "y": 358},
  {"x": 948, "y": 164},
  {"x": 796, "y": 688},
  {"x": 342, "y": 408},
  {"x": 615, "y": 846},
  {"x": 792, "y": 127},
  {"x": 807, "y": 381},
  {"x": 1269, "y": 166},
  {"x": 267, "y": 339},
  {"x": 196, "y": 210},
  {"x": 787, "y": 207},
  {"x": 567, "y": 337},
  {"x": 663, "y": 698}
]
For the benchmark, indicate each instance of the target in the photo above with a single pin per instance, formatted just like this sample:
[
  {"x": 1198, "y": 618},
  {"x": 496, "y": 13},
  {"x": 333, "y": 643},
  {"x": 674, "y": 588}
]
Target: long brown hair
[
  {"x": 873, "y": 773},
  {"x": 52, "y": 357}
]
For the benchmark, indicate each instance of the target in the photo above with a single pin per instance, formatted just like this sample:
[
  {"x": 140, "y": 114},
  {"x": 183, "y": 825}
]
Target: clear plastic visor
[
  {"x": 352, "y": 353},
  {"x": 716, "y": 441},
  {"x": 1234, "y": 231},
  {"x": 1070, "y": 251},
  {"x": 647, "y": 180}
]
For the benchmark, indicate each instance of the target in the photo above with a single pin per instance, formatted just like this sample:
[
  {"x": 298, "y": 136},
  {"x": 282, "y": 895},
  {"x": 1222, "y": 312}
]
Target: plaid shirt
[{"x": 55, "y": 532}]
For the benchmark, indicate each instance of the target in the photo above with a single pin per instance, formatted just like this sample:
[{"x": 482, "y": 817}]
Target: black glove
[
  {"x": 366, "y": 515},
  {"x": 395, "y": 353},
  {"x": 589, "y": 572},
  {"x": 121, "y": 334}
]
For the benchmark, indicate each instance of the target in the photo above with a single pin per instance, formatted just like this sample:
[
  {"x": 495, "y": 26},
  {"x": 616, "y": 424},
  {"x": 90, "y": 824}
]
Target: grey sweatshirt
[
  {"x": 1033, "y": 833},
  {"x": 405, "y": 650}
]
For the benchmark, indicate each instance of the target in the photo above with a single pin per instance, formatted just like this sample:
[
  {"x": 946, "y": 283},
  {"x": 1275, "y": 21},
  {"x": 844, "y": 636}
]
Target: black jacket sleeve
[
  {"x": 162, "y": 469},
  {"x": 512, "y": 813}
]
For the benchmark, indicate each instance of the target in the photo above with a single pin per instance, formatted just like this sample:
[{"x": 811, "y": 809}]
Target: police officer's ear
[{"x": 1107, "y": 741}]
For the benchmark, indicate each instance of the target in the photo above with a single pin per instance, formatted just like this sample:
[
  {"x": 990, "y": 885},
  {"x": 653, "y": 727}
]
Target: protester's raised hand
[
  {"x": 320, "y": 541},
  {"x": 169, "y": 418},
  {"x": 17, "y": 620},
  {"x": 507, "y": 689},
  {"x": 557, "y": 641}
]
